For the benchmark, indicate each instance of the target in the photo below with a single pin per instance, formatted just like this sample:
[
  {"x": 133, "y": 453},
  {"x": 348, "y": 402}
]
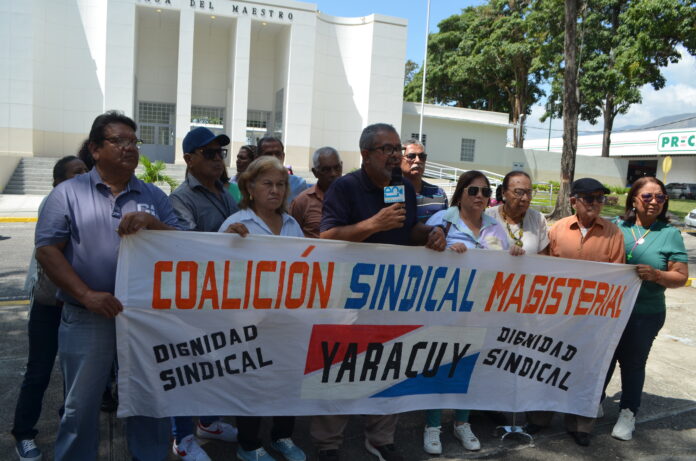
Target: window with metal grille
[
  {"x": 205, "y": 115},
  {"x": 258, "y": 118},
  {"x": 156, "y": 112},
  {"x": 423, "y": 141},
  {"x": 468, "y": 148}
]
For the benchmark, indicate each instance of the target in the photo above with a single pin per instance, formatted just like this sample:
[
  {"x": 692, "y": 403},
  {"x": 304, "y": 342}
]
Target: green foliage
[
  {"x": 410, "y": 70},
  {"x": 624, "y": 45},
  {"x": 489, "y": 57},
  {"x": 154, "y": 172}
]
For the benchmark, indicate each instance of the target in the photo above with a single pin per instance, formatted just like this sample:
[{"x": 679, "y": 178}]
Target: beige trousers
[{"x": 327, "y": 430}]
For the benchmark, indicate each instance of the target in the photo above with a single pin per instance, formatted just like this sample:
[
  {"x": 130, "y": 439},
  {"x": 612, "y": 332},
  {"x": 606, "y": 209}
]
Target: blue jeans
[
  {"x": 183, "y": 425},
  {"x": 632, "y": 355},
  {"x": 87, "y": 346},
  {"x": 43, "y": 346}
]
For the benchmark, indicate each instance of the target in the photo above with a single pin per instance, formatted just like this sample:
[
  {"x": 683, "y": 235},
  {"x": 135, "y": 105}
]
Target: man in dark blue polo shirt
[
  {"x": 77, "y": 240},
  {"x": 354, "y": 210}
]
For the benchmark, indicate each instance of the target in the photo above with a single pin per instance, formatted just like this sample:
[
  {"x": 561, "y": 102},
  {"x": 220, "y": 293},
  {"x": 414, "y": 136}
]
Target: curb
[{"x": 13, "y": 219}]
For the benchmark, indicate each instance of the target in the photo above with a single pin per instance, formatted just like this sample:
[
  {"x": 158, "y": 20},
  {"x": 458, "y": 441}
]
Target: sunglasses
[
  {"x": 590, "y": 199},
  {"x": 422, "y": 155},
  {"x": 522, "y": 192},
  {"x": 389, "y": 149},
  {"x": 647, "y": 198},
  {"x": 210, "y": 154},
  {"x": 474, "y": 190}
]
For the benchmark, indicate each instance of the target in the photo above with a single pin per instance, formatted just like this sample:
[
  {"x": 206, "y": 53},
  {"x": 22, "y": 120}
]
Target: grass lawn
[{"x": 679, "y": 208}]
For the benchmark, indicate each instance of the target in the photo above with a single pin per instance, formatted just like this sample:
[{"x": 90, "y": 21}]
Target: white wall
[
  {"x": 683, "y": 169},
  {"x": 157, "y": 57},
  {"x": 444, "y": 138},
  {"x": 211, "y": 52}
]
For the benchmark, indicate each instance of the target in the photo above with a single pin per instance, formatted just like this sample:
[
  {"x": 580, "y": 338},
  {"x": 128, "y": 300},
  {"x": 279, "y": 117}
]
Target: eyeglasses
[
  {"x": 590, "y": 199},
  {"x": 520, "y": 192},
  {"x": 390, "y": 149},
  {"x": 211, "y": 154},
  {"x": 422, "y": 155},
  {"x": 647, "y": 198},
  {"x": 474, "y": 190},
  {"x": 125, "y": 143}
]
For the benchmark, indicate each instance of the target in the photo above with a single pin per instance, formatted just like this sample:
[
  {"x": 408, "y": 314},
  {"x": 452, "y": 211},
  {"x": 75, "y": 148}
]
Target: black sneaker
[
  {"x": 384, "y": 452},
  {"x": 581, "y": 438},
  {"x": 328, "y": 455}
]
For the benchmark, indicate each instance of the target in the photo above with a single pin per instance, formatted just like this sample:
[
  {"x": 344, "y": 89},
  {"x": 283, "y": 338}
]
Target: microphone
[{"x": 394, "y": 192}]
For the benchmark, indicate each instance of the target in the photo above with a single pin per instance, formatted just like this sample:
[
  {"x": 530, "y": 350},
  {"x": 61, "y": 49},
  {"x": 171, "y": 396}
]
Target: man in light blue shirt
[
  {"x": 77, "y": 240},
  {"x": 269, "y": 145}
]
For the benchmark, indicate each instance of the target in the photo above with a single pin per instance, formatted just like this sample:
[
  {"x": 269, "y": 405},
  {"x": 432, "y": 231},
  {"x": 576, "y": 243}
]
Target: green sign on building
[{"x": 677, "y": 141}]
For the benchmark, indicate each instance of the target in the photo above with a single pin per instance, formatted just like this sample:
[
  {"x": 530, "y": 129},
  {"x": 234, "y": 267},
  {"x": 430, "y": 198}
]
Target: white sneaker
[
  {"x": 189, "y": 450},
  {"x": 218, "y": 431},
  {"x": 624, "y": 427},
  {"x": 466, "y": 436},
  {"x": 431, "y": 440}
]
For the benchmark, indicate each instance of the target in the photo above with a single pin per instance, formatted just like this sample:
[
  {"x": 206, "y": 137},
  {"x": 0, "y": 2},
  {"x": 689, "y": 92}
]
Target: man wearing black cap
[
  {"x": 585, "y": 235},
  {"x": 202, "y": 204}
]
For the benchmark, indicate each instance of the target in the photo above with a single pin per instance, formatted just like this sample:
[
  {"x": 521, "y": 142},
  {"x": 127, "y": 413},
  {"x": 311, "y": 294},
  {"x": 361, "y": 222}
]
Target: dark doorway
[{"x": 639, "y": 168}]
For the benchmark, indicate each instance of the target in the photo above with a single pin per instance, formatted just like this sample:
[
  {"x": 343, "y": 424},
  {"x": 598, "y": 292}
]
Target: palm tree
[{"x": 153, "y": 172}]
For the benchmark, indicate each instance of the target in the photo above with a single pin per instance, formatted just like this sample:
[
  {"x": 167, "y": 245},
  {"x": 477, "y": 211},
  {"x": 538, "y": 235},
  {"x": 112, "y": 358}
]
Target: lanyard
[{"x": 637, "y": 241}]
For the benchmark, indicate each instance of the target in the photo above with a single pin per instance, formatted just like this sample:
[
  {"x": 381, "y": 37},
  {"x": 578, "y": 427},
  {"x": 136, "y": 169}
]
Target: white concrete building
[
  {"x": 239, "y": 67},
  {"x": 644, "y": 151}
]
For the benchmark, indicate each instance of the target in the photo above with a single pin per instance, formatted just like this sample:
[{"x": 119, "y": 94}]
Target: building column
[
  {"x": 119, "y": 69},
  {"x": 184, "y": 80},
  {"x": 238, "y": 89},
  {"x": 299, "y": 92}
]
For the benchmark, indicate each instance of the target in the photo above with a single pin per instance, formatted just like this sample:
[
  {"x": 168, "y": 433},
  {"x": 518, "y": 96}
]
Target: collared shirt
[
  {"x": 430, "y": 200},
  {"x": 83, "y": 214},
  {"x": 661, "y": 245},
  {"x": 491, "y": 236},
  {"x": 199, "y": 209},
  {"x": 535, "y": 231},
  {"x": 354, "y": 198},
  {"x": 603, "y": 242},
  {"x": 297, "y": 185},
  {"x": 256, "y": 225},
  {"x": 306, "y": 209}
]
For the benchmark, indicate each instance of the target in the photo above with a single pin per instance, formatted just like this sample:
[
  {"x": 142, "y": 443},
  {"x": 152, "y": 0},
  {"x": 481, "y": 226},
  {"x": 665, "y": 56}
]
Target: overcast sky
[{"x": 678, "y": 96}]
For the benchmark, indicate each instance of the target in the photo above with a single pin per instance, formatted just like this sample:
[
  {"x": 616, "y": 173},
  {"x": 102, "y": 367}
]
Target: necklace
[
  {"x": 637, "y": 241},
  {"x": 517, "y": 239}
]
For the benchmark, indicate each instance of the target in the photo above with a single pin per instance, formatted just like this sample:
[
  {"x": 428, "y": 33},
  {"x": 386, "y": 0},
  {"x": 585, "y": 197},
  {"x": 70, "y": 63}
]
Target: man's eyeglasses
[
  {"x": 590, "y": 199},
  {"x": 390, "y": 149},
  {"x": 422, "y": 155},
  {"x": 647, "y": 198},
  {"x": 474, "y": 190},
  {"x": 210, "y": 154},
  {"x": 331, "y": 169},
  {"x": 125, "y": 143},
  {"x": 520, "y": 192}
]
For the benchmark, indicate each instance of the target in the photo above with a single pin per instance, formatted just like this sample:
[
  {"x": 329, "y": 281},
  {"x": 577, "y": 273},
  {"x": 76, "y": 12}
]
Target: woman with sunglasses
[
  {"x": 466, "y": 226},
  {"x": 525, "y": 227},
  {"x": 657, "y": 250}
]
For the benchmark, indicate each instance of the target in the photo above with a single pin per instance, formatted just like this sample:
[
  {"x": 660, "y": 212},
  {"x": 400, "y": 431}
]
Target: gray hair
[
  {"x": 414, "y": 142},
  {"x": 367, "y": 138},
  {"x": 326, "y": 150}
]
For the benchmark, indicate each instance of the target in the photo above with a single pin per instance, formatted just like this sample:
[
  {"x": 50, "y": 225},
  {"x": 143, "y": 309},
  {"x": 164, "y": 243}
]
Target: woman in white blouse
[
  {"x": 525, "y": 226},
  {"x": 264, "y": 187}
]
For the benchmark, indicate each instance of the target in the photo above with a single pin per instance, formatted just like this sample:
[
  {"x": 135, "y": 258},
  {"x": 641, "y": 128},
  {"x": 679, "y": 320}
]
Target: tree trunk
[
  {"x": 608, "y": 117},
  {"x": 570, "y": 111}
]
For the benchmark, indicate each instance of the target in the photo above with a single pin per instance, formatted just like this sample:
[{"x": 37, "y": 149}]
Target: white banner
[{"x": 218, "y": 324}]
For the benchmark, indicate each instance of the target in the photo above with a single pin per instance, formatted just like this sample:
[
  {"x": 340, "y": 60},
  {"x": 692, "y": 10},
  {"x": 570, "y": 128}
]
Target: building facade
[
  {"x": 644, "y": 152},
  {"x": 240, "y": 68}
]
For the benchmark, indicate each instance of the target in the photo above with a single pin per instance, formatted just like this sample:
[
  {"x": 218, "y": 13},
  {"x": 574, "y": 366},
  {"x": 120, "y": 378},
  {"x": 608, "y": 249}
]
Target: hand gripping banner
[{"x": 218, "y": 324}]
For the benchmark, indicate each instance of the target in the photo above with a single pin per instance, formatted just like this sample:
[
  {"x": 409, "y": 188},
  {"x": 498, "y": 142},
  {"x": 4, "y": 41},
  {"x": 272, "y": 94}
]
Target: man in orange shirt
[{"x": 585, "y": 235}]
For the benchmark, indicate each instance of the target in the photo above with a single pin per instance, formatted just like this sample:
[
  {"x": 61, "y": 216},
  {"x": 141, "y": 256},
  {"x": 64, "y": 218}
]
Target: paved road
[{"x": 666, "y": 424}]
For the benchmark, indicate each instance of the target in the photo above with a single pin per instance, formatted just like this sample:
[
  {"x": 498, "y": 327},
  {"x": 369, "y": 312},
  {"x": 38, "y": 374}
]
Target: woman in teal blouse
[{"x": 657, "y": 250}]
